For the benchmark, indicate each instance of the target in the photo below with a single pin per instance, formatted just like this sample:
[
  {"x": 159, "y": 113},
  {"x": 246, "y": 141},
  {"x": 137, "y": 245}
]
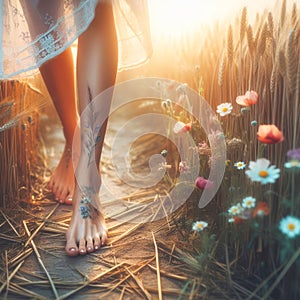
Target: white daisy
[
  {"x": 261, "y": 171},
  {"x": 240, "y": 165},
  {"x": 235, "y": 209},
  {"x": 248, "y": 202},
  {"x": 199, "y": 226},
  {"x": 224, "y": 109},
  {"x": 290, "y": 226}
]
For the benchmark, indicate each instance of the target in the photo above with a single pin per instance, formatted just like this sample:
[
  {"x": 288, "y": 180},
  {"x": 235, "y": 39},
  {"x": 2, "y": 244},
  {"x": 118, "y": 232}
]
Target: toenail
[
  {"x": 96, "y": 247},
  {"x": 70, "y": 199},
  {"x": 72, "y": 249},
  {"x": 89, "y": 248},
  {"x": 82, "y": 251}
]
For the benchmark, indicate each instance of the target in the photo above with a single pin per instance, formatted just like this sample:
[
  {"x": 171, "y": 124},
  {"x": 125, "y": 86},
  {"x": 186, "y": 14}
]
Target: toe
[
  {"x": 89, "y": 246},
  {"x": 82, "y": 247},
  {"x": 66, "y": 196},
  {"x": 71, "y": 248},
  {"x": 103, "y": 238},
  {"x": 68, "y": 199},
  {"x": 56, "y": 192},
  {"x": 73, "y": 251},
  {"x": 97, "y": 242}
]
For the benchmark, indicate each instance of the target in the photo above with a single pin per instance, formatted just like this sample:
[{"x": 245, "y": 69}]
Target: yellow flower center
[
  {"x": 263, "y": 173},
  {"x": 294, "y": 163},
  {"x": 234, "y": 210},
  {"x": 249, "y": 203},
  {"x": 200, "y": 226},
  {"x": 240, "y": 164},
  {"x": 291, "y": 227},
  {"x": 224, "y": 109}
]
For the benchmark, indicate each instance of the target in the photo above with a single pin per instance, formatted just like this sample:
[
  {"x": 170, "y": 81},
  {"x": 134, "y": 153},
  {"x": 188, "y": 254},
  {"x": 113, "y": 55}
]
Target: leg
[
  {"x": 96, "y": 71},
  {"x": 58, "y": 75}
]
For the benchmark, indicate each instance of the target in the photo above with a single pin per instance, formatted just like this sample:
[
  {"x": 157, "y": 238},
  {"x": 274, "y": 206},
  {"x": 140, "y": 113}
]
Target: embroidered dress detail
[{"x": 34, "y": 31}]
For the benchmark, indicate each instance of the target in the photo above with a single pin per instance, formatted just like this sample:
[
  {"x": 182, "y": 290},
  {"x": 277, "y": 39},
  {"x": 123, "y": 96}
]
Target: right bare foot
[
  {"x": 62, "y": 181},
  {"x": 87, "y": 232}
]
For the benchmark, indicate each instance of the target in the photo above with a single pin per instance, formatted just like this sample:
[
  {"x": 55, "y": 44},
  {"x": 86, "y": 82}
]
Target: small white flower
[
  {"x": 261, "y": 171},
  {"x": 183, "y": 167},
  {"x": 294, "y": 163},
  {"x": 240, "y": 165},
  {"x": 290, "y": 226},
  {"x": 224, "y": 109},
  {"x": 199, "y": 226},
  {"x": 235, "y": 209},
  {"x": 249, "y": 202}
]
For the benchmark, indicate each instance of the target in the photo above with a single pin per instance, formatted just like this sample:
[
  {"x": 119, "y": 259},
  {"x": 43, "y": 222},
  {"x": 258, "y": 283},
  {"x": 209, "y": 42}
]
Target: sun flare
[{"x": 173, "y": 17}]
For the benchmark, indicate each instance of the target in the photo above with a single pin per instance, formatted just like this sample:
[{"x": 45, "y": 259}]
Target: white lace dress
[{"x": 34, "y": 31}]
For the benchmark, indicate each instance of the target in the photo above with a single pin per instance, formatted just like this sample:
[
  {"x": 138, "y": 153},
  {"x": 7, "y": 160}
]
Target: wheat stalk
[
  {"x": 230, "y": 45},
  {"x": 250, "y": 41},
  {"x": 282, "y": 63},
  {"x": 262, "y": 40},
  {"x": 294, "y": 15},
  {"x": 243, "y": 24},
  {"x": 283, "y": 13},
  {"x": 274, "y": 79},
  {"x": 291, "y": 62},
  {"x": 271, "y": 24},
  {"x": 221, "y": 72}
]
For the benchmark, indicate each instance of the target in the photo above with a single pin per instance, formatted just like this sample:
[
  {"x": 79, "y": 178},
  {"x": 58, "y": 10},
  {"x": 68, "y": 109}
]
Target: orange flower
[
  {"x": 262, "y": 209},
  {"x": 269, "y": 134},
  {"x": 248, "y": 99}
]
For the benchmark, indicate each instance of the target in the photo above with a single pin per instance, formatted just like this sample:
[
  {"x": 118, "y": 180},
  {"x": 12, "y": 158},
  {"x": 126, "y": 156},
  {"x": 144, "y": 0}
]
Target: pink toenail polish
[
  {"x": 72, "y": 249},
  {"x": 89, "y": 248}
]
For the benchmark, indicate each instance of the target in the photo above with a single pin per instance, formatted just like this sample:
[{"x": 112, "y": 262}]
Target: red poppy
[
  {"x": 262, "y": 209},
  {"x": 248, "y": 99},
  {"x": 269, "y": 134},
  {"x": 181, "y": 127},
  {"x": 203, "y": 183}
]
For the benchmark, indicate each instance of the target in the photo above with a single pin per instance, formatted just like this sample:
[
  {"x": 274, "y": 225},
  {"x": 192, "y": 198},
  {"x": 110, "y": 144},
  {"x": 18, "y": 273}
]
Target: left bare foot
[{"x": 62, "y": 181}]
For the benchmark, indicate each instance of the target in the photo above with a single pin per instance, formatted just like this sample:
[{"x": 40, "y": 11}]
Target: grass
[{"x": 221, "y": 65}]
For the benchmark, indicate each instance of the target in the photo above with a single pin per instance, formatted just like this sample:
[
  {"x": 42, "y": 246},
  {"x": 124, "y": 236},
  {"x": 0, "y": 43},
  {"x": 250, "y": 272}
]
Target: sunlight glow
[
  {"x": 177, "y": 16},
  {"x": 174, "y": 17}
]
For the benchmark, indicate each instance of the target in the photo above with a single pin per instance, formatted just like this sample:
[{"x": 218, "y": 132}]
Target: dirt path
[{"x": 139, "y": 262}]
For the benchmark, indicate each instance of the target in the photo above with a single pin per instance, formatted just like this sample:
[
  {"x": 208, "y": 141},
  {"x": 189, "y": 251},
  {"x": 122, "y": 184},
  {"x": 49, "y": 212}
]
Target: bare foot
[
  {"x": 62, "y": 181},
  {"x": 87, "y": 231}
]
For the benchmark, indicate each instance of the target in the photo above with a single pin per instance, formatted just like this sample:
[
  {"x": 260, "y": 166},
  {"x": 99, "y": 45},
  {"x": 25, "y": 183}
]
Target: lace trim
[{"x": 52, "y": 42}]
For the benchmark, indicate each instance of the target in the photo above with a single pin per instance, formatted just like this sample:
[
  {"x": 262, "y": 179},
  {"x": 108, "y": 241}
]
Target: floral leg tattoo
[{"x": 88, "y": 208}]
